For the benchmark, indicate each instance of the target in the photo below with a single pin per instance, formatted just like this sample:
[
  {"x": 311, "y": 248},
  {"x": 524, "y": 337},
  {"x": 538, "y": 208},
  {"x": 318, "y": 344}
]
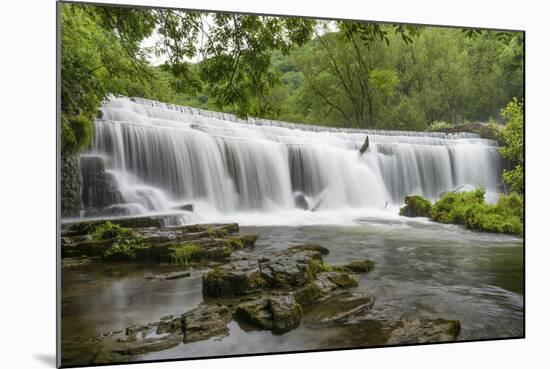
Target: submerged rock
[
  {"x": 363, "y": 266},
  {"x": 340, "y": 308},
  {"x": 310, "y": 247},
  {"x": 185, "y": 207},
  {"x": 151, "y": 344},
  {"x": 300, "y": 201},
  {"x": 205, "y": 321},
  {"x": 412, "y": 331},
  {"x": 169, "y": 276}
]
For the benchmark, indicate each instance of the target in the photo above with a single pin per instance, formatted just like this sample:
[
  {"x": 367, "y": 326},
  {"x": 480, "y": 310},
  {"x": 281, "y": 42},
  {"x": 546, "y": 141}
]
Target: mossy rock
[
  {"x": 310, "y": 247},
  {"x": 309, "y": 294},
  {"x": 416, "y": 206},
  {"x": 342, "y": 280},
  {"x": 241, "y": 241},
  {"x": 236, "y": 279},
  {"x": 363, "y": 266},
  {"x": 279, "y": 313},
  {"x": 256, "y": 313},
  {"x": 286, "y": 313}
]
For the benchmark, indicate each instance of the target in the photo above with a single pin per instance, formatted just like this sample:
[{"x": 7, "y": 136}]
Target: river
[{"x": 423, "y": 269}]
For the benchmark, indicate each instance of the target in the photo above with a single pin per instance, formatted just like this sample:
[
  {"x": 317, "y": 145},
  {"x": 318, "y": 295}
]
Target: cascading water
[{"x": 158, "y": 157}]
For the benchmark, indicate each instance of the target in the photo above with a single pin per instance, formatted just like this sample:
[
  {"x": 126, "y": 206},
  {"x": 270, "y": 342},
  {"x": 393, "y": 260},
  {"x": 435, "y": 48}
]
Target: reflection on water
[{"x": 422, "y": 269}]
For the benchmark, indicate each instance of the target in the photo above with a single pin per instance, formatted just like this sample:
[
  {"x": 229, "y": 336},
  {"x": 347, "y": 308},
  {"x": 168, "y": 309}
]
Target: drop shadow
[{"x": 48, "y": 359}]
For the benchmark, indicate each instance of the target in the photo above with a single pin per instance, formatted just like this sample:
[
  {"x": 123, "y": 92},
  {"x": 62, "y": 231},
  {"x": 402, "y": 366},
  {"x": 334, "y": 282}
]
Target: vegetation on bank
[
  {"x": 471, "y": 210},
  {"x": 416, "y": 206}
]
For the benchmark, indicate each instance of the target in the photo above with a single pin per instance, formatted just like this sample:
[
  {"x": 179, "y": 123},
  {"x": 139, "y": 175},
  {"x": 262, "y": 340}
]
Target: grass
[
  {"x": 183, "y": 254},
  {"x": 124, "y": 250}
]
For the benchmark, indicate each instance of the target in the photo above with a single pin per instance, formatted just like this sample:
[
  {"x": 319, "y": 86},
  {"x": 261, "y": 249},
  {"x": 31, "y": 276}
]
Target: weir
[{"x": 154, "y": 157}]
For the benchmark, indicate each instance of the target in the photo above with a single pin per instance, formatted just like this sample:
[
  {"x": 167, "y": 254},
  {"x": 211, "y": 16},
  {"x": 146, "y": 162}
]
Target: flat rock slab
[
  {"x": 283, "y": 270},
  {"x": 339, "y": 308},
  {"x": 169, "y": 276},
  {"x": 152, "y": 344},
  {"x": 210, "y": 242}
]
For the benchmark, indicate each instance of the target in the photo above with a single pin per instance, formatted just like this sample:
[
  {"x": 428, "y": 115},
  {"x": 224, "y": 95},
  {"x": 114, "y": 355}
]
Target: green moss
[
  {"x": 184, "y": 253},
  {"x": 107, "y": 230},
  {"x": 470, "y": 209},
  {"x": 319, "y": 266},
  {"x": 310, "y": 247},
  {"x": 242, "y": 241},
  {"x": 124, "y": 250},
  {"x": 343, "y": 280},
  {"x": 416, "y": 206}
]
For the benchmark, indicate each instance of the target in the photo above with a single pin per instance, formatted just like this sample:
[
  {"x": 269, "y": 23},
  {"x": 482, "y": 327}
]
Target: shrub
[
  {"x": 469, "y": 209},
  {"x": 416, "y": 206},
  {"x": 453, "y": 206},
  {"x": 513, "y": 149},
  {"x": 439, "y": 125}
]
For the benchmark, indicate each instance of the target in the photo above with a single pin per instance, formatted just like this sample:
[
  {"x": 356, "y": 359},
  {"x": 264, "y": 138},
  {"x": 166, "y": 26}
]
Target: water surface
[{"x": 423, "y": 270}]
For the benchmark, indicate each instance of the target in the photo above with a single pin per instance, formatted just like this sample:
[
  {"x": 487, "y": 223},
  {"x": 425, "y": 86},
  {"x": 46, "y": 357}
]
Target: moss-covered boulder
[
  {"x": 416, "y": 206},
  {"x": 279, "y": 313},
  {"x": 239, "y": 278},
  {"x": 290, "y": 269}
]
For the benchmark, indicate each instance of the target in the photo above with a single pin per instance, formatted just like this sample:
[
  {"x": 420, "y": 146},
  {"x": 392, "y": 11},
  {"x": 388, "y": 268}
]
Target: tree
[
  {"x": 513, "y": 134},
  {"x": 345, "y": 79}
]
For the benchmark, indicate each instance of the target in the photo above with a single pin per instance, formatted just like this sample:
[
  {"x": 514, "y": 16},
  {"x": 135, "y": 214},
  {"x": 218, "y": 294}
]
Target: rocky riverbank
[{"x": 274, "y": 291}]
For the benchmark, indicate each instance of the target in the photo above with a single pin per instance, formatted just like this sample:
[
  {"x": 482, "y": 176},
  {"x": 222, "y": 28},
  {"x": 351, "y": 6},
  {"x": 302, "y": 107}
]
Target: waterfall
[{"x": 159, "y": 156}]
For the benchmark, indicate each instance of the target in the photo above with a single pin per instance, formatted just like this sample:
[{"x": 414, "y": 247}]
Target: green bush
[
  {"x": 439, "y": 125},
  {"x": 470, "y": 209},
  {"x": 452, "y": 207},
  {"x": 416, "y": 206}
]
